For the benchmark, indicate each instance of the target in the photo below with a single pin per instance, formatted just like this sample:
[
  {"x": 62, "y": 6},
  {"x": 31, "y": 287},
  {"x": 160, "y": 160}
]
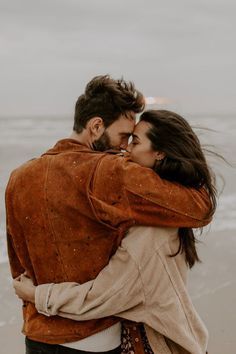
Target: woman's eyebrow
[{"x": 134, "y": 136}]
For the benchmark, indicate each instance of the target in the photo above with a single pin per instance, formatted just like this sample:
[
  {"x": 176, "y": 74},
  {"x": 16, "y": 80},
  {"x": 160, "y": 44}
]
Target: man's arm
[
  {"x": 15, "y": 265},
  {"x": 150, "y": 200},
  {"x": 155, "y": 201},
  {"x": 18, "y": 257}
]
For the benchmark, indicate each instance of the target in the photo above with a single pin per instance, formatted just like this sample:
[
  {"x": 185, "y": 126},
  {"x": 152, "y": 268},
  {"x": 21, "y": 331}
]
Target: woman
[{"x": 145, "y": 281}]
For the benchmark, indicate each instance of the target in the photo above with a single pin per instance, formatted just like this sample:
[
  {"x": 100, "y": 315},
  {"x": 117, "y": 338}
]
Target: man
[{"x": 68, "y": 210}]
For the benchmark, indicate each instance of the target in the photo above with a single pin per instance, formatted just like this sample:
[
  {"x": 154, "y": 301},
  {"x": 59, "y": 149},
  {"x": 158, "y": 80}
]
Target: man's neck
[{"x": 82, "y": 138}]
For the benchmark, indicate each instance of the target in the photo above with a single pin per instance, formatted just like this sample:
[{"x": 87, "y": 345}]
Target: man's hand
[{"x": 24, "y": 288}]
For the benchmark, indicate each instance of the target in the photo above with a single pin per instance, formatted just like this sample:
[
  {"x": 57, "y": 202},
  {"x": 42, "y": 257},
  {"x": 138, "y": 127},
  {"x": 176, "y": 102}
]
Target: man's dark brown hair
[{"x": 106, "y": 98}]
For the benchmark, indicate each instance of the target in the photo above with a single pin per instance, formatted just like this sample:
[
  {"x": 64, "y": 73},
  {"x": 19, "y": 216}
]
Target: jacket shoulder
[
  {"x": 21, "y": 171},
  {"x": 144, "y": 241}
]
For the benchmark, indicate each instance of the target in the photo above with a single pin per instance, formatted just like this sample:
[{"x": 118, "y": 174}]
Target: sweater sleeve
[{"x": 118, "y": 287}]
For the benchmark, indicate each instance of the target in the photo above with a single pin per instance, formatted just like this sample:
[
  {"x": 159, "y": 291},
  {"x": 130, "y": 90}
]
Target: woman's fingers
[
  {"x": 24, "y": 288},
  {"x": 26, "y": 280},
  {"x": 16, "y": 283}
]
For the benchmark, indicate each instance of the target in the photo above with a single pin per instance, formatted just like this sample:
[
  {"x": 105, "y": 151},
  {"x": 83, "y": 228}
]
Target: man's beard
[{"x": 103, "y": 143}]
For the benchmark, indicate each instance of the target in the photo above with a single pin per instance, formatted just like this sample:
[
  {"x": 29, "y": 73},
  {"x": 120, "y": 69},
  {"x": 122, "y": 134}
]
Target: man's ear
[
  {"x": 160, "y": 155},
  {"x": 96, "y": 127}
]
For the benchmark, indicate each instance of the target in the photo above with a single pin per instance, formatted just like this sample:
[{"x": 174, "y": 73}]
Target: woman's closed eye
[{"x": 134, "y": 142}]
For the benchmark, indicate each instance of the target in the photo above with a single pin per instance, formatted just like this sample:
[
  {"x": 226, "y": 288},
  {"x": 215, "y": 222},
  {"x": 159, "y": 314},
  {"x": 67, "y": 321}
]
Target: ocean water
[{"x": 22, "y": 138}]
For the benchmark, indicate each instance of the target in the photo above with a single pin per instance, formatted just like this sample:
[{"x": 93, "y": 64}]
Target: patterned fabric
[
  {"x": 146, "y": 345},
  {"x": 128, "y": 342}
]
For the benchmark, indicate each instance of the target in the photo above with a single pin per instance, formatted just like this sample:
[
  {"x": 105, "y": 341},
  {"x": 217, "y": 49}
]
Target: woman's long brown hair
[{"x": 184, "y": 163}]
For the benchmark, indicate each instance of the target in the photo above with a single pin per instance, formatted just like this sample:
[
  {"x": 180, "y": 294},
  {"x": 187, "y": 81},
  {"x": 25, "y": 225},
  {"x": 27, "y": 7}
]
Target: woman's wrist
[
  {"x": 42, "y": 296},
  {"x": 31, "y": 295}
]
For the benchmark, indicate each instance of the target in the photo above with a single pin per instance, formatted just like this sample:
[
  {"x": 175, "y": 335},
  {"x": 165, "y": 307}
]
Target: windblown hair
[
  {"x": 184, "y": 163},
  {"x": 106, "y": 98}
]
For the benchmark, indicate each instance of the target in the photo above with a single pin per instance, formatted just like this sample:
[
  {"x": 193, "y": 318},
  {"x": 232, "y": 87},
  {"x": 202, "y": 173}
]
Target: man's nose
[
  {"x": 124, "y": 145},
  {"x": 128, "y": 148}
]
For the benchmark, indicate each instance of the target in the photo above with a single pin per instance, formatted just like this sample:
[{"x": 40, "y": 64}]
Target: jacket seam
[
  {"x": 154, "y": 251},
  {"x": 92, "y": 178},
  {"x": 48, "y": 216},
  {"x": 140, "y": 275}
]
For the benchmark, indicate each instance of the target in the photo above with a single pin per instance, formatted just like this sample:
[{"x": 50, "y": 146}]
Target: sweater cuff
[{"x": 42, "y": 294}]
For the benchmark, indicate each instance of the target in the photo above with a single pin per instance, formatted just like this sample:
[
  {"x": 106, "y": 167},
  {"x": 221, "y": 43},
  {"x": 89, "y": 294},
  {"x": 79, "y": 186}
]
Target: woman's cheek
[
  {"x": 134, "y": 154},
  {"x": 139, "y": 156}
]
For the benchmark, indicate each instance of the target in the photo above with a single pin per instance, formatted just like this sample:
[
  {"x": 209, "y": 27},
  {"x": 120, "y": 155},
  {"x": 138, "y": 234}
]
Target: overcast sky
[{"x": 183, "y": 50}]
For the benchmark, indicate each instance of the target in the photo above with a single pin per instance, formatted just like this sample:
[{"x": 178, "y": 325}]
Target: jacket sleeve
[
  {"x": 157, "y": 202},
  {"x": 18, "y": 254},
  {"x": 118, "y": 287},
  {"x": 15, "y": 264},
  {"x": 123, "y": 191}
]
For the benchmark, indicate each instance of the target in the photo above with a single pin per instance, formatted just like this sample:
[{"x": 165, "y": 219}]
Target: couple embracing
[{"x": 100, "y": 241}]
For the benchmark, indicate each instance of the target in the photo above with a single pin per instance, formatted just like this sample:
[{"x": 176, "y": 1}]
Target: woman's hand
[{"x": 24, "y": 288}]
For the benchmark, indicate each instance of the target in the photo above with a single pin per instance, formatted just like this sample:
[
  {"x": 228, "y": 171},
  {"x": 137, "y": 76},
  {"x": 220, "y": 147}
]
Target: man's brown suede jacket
[{"x": 67, "y": 212}]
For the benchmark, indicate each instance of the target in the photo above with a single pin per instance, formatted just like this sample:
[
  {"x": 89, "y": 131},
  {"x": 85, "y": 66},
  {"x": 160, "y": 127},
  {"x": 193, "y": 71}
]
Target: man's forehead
[
  {"x": 131, "y": 115},
  {"x": 126, "y": 123},
  {"x": 128, "y": 115}
]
